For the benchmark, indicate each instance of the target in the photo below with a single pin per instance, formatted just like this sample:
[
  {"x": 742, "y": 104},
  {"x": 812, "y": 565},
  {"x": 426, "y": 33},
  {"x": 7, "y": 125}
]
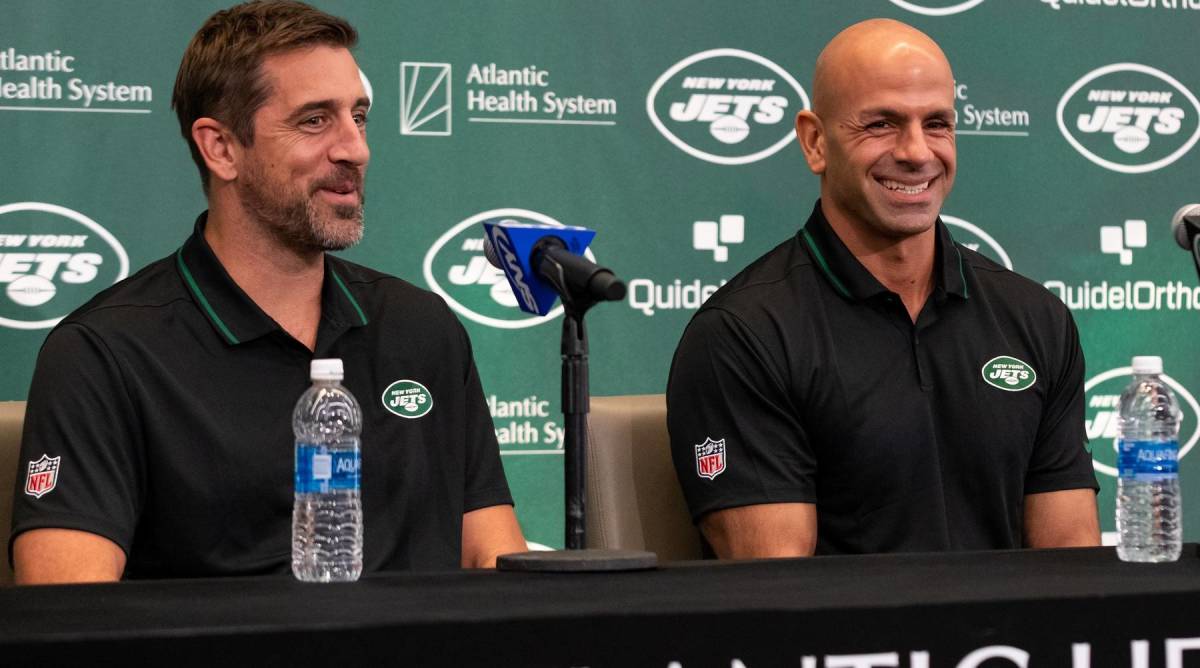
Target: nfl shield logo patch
[
  {"x": 42, "y": 476},
  {"x": 710, "y": 458}
]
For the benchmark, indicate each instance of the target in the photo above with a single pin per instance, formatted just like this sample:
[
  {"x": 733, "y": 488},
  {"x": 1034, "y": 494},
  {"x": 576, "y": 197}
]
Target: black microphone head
[
  {"x": 490, "y": 253},
  {"x": 1188, "y": 216}
]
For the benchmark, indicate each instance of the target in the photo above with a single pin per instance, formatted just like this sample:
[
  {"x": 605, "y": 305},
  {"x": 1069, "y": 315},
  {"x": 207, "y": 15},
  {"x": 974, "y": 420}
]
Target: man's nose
[
  {"x": 350, "y": 145},
  {"x": 912, "y": 146}
]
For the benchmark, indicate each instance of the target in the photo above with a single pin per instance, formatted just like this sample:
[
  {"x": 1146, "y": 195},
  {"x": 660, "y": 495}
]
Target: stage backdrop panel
[{"x": 666, "y": 126}]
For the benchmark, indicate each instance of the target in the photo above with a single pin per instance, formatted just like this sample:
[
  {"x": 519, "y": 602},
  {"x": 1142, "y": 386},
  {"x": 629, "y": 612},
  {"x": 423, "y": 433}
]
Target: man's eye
[
  {"x": 877, "y": 125},
  {"x": 360, "y": 119},
  {"x": 313, "y": 121}
]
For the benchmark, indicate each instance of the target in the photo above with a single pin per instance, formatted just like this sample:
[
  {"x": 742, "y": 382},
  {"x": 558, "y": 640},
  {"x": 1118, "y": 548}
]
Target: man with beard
[
  {"x": 870, "y": 385},
  {"x": 165, "y": 402}
]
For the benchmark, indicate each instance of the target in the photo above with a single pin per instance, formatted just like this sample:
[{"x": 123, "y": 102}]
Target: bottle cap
[
  {"x": 1147, "y": 364},
  {"x": 327, "y": 369}
]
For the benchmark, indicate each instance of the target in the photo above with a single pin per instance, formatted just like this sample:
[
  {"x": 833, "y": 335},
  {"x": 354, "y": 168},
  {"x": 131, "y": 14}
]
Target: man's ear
[
  {"x": 218, "y": 146},
  {"x": 810, "y": 132}
]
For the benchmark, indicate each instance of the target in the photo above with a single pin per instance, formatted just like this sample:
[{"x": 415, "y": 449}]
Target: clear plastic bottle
[
  {"x": 327, "y": 524},
  {"x": 1149, "y": 522}
]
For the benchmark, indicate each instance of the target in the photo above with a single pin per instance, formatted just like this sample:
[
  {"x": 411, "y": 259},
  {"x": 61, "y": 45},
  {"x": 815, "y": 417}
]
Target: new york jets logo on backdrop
[
  {"x": 408, "y": 399},
  {"x": 455, "y": 267},
  {"x": 1129, "y": 118},
  {"x": 1009, "y": 374},
  {"x": 726, "y": 106},
  {"x": 972, "y": 236},
  {"x": 1102, "y": 394},
  {"x": 937, "y": 7},
  {"x": 52, "y": 260}
]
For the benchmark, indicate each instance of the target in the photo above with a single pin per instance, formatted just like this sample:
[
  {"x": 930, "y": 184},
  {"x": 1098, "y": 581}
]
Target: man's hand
[
  {"x": 60, "y": 556},
  {"x": 488, "y": 533},
  {"x": 1062, "y": 519},
  {"x": 759, "y": 531}
]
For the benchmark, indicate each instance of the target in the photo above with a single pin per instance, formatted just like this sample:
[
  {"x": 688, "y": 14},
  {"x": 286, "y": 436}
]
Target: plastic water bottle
[
  {"x": 327, "y": 525},
  {"x": 1148, "y": 508}
]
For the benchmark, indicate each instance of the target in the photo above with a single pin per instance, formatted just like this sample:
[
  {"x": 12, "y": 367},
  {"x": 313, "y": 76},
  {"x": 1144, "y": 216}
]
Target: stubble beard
[{"x": 296, "y": 219}]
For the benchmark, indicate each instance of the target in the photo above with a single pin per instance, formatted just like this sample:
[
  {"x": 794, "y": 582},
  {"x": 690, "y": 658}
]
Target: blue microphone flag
[{"x": 514, "y": 243}]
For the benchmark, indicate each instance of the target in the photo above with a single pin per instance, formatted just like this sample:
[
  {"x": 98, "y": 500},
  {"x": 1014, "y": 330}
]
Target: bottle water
[
  {"x": 1148, "y": 508},
  {"x": 327, "y": 526}
]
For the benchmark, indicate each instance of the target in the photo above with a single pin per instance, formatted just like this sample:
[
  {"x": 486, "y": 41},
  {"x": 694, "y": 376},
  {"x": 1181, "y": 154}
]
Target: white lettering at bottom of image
[
  {"x": 994, "y": 656},
  {"x": 1127, "y": 296},
  {"x": 528, "y": 432}
]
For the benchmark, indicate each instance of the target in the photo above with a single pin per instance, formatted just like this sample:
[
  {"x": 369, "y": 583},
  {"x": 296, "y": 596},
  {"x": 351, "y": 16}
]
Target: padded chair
[
  {"x": 12, "y": 417},
  {"x": 633, "y": 498}
]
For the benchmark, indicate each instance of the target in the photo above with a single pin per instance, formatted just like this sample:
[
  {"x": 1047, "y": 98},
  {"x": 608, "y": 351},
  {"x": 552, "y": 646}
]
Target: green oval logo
[
  {"x": 408, "y": 399},
  {"x": 1009, "y": 374}
]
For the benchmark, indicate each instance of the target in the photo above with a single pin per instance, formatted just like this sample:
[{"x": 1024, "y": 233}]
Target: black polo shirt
[
  {"x": 805, "y": 380},
  {"x": 167, "y": 400}
]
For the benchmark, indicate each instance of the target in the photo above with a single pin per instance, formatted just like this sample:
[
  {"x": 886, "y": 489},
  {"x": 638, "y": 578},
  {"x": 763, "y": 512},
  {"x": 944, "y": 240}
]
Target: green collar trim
[
  {"x": 812, "y": 246},
  {"x": 195, "y": 288},
  {"x": 353, "y": 302}
]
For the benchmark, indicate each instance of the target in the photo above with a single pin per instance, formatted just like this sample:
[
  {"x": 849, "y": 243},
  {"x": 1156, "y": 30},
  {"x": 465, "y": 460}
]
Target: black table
[{"x": 935, "y": 610}]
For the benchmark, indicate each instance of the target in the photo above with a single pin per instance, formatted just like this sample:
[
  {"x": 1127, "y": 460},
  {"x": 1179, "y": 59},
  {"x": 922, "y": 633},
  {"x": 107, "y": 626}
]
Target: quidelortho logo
[
  {"x": 1103, "y": 393},
  {"x": 1129, "y": 118},
  {"x": 717, "y": 235},
  {"x": 972, "y": 236},
  {"x": 52, "y": 260},
  {"x": 936, "y": 7},
  {"x": 726, "y": 106},
  {"x": 1119, "y": 240},
  {"x": 455, "y": 267},
  {"x": 1121, "y": 291}
]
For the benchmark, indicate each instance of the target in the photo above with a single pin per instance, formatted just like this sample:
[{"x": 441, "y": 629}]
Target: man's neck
[
  {"x": 903, "y": 265},
  {"x": 285, "y": 284}
]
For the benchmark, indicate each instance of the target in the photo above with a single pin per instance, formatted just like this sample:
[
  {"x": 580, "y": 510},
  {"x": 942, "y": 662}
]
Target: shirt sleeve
[
  {"x": 486, "y": 484},
  {"x": 735, "y": 437},
  {"x": 1060, "y": 459},
  {"x": 80, "y": 426}
]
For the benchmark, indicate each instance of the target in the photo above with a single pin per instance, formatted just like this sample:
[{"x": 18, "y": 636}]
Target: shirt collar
[
  {"x": 234, "y": 315},
  {"x": 852, "y": 280}
]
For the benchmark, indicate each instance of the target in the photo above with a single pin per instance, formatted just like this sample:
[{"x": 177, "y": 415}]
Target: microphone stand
[{"x": 576, "y": 401}]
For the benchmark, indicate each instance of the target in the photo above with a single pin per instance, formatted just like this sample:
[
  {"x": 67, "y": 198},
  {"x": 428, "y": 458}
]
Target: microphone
[
  {"x": 1185, "y": 225},
  {"x": 543, "y": 262}
]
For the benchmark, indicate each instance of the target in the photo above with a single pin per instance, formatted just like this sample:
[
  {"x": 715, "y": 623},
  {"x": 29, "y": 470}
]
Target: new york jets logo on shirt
[
  {"x": 1009, "y": 374},
  {"x": 408, "y": 399}
]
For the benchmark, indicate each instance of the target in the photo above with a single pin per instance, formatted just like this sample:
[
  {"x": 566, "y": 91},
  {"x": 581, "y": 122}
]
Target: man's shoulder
[
  {"x": 768, "y": 282},
  {"x": 1002, "y": 285},
  {"x": 155, "y": 287}
]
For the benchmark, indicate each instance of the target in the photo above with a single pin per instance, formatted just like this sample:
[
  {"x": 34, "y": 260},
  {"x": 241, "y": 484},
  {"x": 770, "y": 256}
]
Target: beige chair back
[
  {"x": 633, "y": 497},
  {"x": 12, "y": 417}
]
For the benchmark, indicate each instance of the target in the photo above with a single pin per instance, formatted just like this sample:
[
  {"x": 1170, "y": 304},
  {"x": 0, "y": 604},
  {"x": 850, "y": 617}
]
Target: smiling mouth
[{"x": 905, "y": 188}]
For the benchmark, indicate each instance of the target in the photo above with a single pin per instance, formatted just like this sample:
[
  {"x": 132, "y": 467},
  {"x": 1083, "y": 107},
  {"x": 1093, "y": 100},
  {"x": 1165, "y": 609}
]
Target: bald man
[{"x": 870, "y": 385}]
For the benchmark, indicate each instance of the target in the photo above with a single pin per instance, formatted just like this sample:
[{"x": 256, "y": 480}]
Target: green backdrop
[{"x": 665, "y": 126}]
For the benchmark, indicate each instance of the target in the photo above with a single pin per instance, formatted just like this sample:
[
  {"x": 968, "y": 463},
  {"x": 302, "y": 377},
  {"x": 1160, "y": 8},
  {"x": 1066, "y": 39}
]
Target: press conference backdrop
[{"x": 664, "y": 125}]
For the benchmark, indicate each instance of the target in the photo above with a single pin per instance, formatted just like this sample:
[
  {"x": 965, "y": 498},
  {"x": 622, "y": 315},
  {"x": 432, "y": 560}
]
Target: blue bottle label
[
  {"x": 320, "y": 470},
  {"x": 1148, "y": 460}
]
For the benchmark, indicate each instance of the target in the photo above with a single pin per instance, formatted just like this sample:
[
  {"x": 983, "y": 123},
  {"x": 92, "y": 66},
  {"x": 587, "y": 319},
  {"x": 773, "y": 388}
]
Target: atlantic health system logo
[
  {"x": 726, "y": 106},
  {"x": 1129, "y": 118},
  {"x": 52, "y": 260},
  {"x": 455, "y": 267},
  {"x": 1103, "y": 393}
]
